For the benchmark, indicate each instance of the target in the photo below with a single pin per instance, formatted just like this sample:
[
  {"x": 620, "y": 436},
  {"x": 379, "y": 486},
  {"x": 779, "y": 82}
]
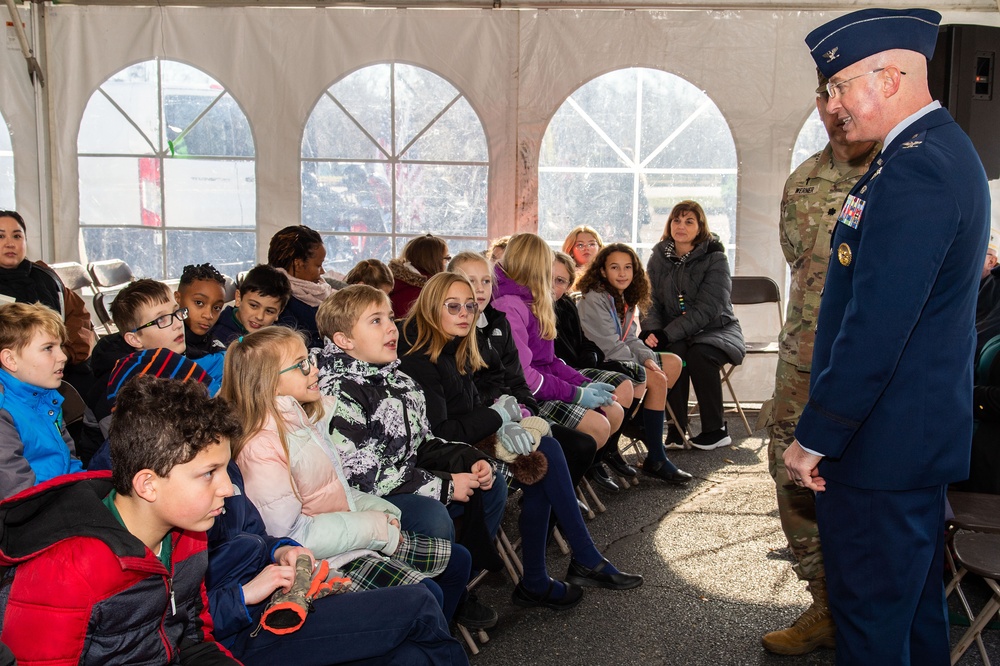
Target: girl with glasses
[
  {"x": 582, "y": 243},
  {"x": 294, "y": 476},
  {"x": 456, "y": 411}
]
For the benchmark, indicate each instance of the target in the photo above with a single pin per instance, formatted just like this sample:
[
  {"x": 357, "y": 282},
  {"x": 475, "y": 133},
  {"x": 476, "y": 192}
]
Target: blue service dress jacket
[{"x": 890, "y": 403}]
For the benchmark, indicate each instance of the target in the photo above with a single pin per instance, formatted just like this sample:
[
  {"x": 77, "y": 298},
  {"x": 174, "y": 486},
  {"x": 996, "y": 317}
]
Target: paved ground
[{"x": 716, "y": 572}]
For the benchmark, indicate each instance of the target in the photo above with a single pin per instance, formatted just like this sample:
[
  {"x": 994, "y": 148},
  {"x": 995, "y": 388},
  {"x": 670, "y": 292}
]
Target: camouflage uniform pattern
[{"x": 812, "y": 199}]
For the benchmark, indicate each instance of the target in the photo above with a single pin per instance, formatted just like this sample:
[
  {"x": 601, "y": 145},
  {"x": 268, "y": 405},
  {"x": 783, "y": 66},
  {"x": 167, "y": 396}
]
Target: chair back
[
  {"x": 102, "y": 309},
  {"x": 110, "y": 273},
  {"x": 73, "y": 275},
  {"x": 73, "y": 405},
  {"x": 984, "y": 363},
  {"x": 753, "y": 289},
  {"x": 230, "y": 289}
]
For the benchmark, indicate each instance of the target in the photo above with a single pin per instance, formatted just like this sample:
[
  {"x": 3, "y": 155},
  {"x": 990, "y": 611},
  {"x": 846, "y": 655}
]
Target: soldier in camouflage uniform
[{"x": 813, "y": 196}]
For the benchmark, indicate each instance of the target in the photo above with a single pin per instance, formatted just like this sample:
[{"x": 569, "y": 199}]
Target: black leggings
[{"x": 701, "y": 365}]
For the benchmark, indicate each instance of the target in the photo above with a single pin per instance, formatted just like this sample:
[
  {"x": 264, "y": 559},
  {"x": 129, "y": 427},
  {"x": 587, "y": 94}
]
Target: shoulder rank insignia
[
  {"x": 844, "y": 254},
  {"x": 910, "y": 144},
  {"x": 832, "y": 54}
]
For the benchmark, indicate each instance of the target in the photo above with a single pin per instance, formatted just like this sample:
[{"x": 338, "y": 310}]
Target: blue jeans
[
  {"x": 423, "y": 515},
  {"x": 395, "y": 625},
  {"x": 494, "y": 503}
]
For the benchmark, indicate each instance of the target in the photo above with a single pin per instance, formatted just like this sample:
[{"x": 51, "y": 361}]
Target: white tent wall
[
  {"x": 17, "y": 103},
  {"x": 516, "y": 67},
  {"x": 276, "y": 64}
]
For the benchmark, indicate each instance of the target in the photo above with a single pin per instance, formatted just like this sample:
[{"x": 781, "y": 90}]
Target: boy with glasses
[{"x": 150, "y": 340}]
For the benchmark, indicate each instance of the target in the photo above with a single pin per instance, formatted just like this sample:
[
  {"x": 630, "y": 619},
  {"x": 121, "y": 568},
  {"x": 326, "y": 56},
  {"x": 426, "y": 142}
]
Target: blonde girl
[
  {"x": 294, "y": 476},
  {"x": 582, "y": 243},
  {"x": 523, "y": 291}
]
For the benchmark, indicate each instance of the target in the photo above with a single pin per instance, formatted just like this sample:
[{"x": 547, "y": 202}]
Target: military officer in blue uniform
[{"x": 889, "y": 419}]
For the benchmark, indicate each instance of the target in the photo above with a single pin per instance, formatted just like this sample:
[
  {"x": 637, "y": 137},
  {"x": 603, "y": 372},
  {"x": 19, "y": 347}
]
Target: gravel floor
[{"x": 716, "y": 568}]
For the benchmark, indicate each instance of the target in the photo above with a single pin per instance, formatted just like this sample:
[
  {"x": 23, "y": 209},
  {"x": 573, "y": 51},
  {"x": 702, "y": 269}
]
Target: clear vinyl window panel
[
  {"x": 627, "y": 146},
  {"x": 391, "y": 151},
  {"x": 812, "y": 139},
  {"x": 167, "y": 172},
  {"x": 7, "y": 201}
]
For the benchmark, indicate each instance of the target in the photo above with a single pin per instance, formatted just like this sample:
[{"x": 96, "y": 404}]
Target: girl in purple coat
[{"x": 524, "y": 292}]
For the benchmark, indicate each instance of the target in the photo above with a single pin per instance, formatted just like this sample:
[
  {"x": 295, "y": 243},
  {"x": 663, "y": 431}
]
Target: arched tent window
[
  {"x": 167, "y": 171},
  {"x": 812, "y": 139},
  {"x": 7, "y": 201},
  {"x": 627, "y": 146},
  {"x": 389, "y": 152}
]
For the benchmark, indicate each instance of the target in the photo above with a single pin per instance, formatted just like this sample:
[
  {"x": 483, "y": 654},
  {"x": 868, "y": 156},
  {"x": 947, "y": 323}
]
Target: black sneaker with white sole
[{"x": 707, "y": 441}]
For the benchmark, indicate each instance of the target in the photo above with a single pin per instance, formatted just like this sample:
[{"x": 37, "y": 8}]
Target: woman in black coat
[{"x": 692, "y": 316}]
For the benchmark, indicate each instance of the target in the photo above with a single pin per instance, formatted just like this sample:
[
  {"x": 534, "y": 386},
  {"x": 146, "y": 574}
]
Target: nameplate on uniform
[
  {"x": 806, "y": 190},
  {"x": 850, "y": 214}
]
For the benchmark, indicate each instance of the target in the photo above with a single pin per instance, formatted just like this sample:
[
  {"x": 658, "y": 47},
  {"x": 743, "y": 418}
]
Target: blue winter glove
[
  {"x": 515, "y": 439},
  {"x": 593, "y": 395},
  {"x": 508, "y": 409}
]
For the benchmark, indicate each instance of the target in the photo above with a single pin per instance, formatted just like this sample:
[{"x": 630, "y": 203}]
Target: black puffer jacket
[
  {"x": 572, "y": 346},
  {"x": 30, "y": 283},
  {"x": 454, "y": 408},
  {"x": 702, "y": 277},
  {"x": 503, "y": 373}
]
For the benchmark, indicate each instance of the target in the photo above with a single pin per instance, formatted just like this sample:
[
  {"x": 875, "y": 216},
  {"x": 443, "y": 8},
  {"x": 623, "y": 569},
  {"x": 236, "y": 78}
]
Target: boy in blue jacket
[{"x": 34, "y": 443}]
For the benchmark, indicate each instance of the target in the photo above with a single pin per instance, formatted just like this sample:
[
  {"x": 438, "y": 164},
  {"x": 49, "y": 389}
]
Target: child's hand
[
  {"x": 651, "y": 341},
  {"x": 267, "y": 581},
  {"x": 392, "y": 520},
  {"x": 464, "y": 483},
  {"x": 484, "y": 473},
  {"x": 286, "y": 555}
]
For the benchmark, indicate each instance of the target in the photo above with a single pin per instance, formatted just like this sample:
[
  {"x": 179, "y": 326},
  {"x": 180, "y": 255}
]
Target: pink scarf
[{"x": 310, "y": 293}]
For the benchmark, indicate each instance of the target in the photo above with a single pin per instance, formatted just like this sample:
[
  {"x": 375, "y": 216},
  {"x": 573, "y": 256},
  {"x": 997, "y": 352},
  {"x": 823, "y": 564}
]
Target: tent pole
[{"x": 15, "y": 18}]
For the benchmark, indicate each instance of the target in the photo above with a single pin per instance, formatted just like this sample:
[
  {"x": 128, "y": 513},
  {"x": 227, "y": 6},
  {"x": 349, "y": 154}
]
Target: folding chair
[
  {"x": 229, "y": 288},
  {"x": 753, "y": 290},
  {"x": 73, "y": 406},
  {"x": 973, "y": 512},
  {"x": 979, "y": 553},
  {"x": 74, "y": 276},
  {"x": 102, "y": 309},
  {"x": 110, "y": 273}
]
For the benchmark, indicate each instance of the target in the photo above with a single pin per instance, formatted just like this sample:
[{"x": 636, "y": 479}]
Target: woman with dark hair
[
  {"x": 26, "y": 281},
  {"x": 298, "y": 252},
  {"x": 423, "y": 257},
  {"x": 691, "y": 315}
]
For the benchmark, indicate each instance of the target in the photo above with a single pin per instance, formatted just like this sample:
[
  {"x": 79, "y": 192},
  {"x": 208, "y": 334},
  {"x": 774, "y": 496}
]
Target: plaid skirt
[
  {"x": 417, "y": 557},
  {"x": 569, "y": 414}
]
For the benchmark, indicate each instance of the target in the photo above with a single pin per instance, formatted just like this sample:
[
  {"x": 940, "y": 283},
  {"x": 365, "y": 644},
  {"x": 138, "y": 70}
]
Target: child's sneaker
[
  {"x": 707, "y": 441},
  {"x": 675, "y": 442},
  {"x": 472, "y": 614}
]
